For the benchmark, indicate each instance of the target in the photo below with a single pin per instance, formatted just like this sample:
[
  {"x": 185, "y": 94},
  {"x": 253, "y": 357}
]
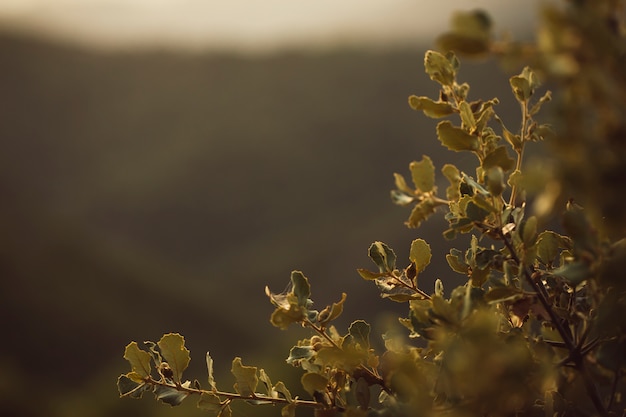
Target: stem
[
  {"x": 234, "y": 396},
  {"x": 520, "y": 152}
]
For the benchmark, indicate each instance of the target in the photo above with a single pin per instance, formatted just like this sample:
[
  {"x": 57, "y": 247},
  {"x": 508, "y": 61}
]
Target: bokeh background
[{"x": 163, "y": 161}]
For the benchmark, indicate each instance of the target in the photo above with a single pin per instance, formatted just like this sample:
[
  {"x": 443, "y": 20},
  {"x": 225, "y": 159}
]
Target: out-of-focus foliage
[{"x": 538, "y": 328}]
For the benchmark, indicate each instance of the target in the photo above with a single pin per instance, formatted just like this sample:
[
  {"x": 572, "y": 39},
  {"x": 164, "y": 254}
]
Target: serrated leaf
[
  {"x": 246, "y": 377},
  {"x": 455, "y": 138},
  {"x": 360, "y": 332},
  {"x": 128, "y": 386},
  {"x": 265, "y": 379},
  {"x": 439, "y": 68},
  {"x": 423, "y": 174},
  {"x": 301, "y": 287},
  {"x": 499, "y": 157},
  {"x": 139, "y": 359},
  {"x": 431, "y": 108},
  {"x": 420, "y": 254},
  {"x": 313, "y": 382},
  {"x": 335, "y": 310},
  {"x": 209, "y": 365},
  {"x": 467, "y": 116},
  {"x": 420, "y": 212},
  {"x": 524, "y": 84},
  {"x": 170, "y": 395},
  {"x": 453, "y": 175},
  {"x": 383, "y": 256},
  {"x": 173, "y": 349}
]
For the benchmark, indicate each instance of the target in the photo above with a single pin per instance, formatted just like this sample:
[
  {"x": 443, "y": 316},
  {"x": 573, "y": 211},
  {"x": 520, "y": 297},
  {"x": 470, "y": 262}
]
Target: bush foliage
[{"x": 539, "y": 326}]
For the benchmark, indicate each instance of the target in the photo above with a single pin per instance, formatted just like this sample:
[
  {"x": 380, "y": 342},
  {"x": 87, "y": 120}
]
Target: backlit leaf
[
  {"x": 423, "y": 174},
  {"x": 139, "y": 359},
  {"x": 420, "y": 254},
  {"x": 246, "y": 377},
  {"x": 420, "y": 212},
  {"x": 313, "y": 382},
  {"x": 499, "y": 157},
  {"x": 431, "y": 108},
  {"x": 288, "y": 411},
  {"x": 456, "y": 261},
  {"x": 454, "y": 176},
  {"x": 128, "y": 386},
  {"x": 170, "y": 395},
  {"x": 173, "y": 349},
  {"x": 282, "y": 390},
  {"x": 335, "y": 310},
  {"x": 467, "y": 116},
  {"x": 500, "y": 294},
  {"x": 360, "y": 332},
  {"x": 455, "y": 138},
  {"x": 401, "y": 184},
  {"x": 209, "y": 365},
  {"x": 549, "y": 245},
  {"x": 212, "y": 404},
  {"x": 301, "y": 287},
  {"x": 383, "y": 256},
  {"x": 298, "y": 353},
  {"x": 369, "y": 275},
  {"x": 440, "y": 68}
]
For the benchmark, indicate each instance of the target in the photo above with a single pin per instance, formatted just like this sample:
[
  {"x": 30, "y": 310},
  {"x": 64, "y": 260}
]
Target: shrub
[{"x": 538, "y": 328}]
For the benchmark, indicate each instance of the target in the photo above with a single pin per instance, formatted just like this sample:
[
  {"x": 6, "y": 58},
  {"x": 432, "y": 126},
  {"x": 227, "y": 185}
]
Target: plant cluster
[{"x": 539, "y": 326}]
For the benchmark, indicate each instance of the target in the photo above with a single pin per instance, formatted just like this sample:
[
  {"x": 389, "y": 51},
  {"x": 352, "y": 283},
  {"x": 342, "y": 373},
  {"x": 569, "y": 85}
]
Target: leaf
[
  {"x": 362, "y": 393},
  {"x": 495, "y": 181},
  {"x": 431, "y": 108},
  {"x": 173, "y": 349},
  {"x": 454, "y": 176},
  {"x": 212, "y": 404},
  {"x": 467, "y": 116},
  {"x": 423, "y": 174},
  {"x": 298, "y": 353},
  {"x": 524, "y": 84},
  {"x": 335, "y": 310},
  {"x": 128, "y": 386},
  {"x": 529, "y": 231},
  {"x": 282, "y": 390},
  {"x": 170, "y": 395},
  {"x": 537, "y": 106},
  {"x": 360, "y": 332},
  {"x": 313, "y": 382},
  {"x": 456, "y": 262},
  {"x": 246, "y": 377},
  {"x": 475, "y": 213},
  {"x": 485, "y": 257},
  {"x": 420, "y": 212},
  {"x": 420, "y": 254},
  {"x": 301, "y": 287},
  {"x": 400, "y": 183},
  {"x": 265, "y": 379},
  {"x": 401, "y": 199},
  {"x": 209, "y": 365},
  {"x": 369, "y": 275},
  {"x": 139, "y": 359},
  {"x": 499, "y": 157},
  {"x": 549, "y": 245},
  {"x": 289, "y": 410},
  {"x": 500, "y": 294},
  {"x": 383, "y": 256},
  {"x": 574, "y": 273},
  {"x": 440, "y": 68},
  {"x": 455, "y": 138}
]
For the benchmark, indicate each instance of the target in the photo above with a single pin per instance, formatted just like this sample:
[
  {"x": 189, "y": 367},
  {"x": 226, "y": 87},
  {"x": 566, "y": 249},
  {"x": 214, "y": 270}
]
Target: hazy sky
[{"x": 250, "y": 24}]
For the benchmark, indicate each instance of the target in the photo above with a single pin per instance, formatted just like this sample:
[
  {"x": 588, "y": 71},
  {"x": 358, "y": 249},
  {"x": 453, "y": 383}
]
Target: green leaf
[
  {"x": 500, "y": 294},
  {"x": 574, "y": 272},
  {"x": 455, "y": 138},
  {"x": 173, "y": 349},
  {"x": 360, "y": 332},
  {"x": 362, "y": 393},
  {"x": 549, "y": 245},
  {"x": 298, "y": 353},
  {"x": 475, "y": 213},
  {"x": 289, "y": 410},
  {"x": 170, "y": 395},
  {"x": 431, "y": 108},
  {"x": 128, "y": 386},
  {"x": 440, "y": 68},
  {"x": 209, "y": 365},
  {"x": 453, "y": 175},
  {"x": 246, "y": 377},
  {"x": 420, "y": 254},
  {"x": 420, "y": 212},
  {"x": 335, "y": 310},
  {"x": 423, "y": 174},
  {"x": 462, "y": 44},
  {"x": 537, "y": 106},
  {"x": 265, "y": 379},
  {"x": 467, "y": 116},
  {"x": 524, "y": 84},
  {"x": 301, "y": 287},
  {"x": 313, "y": 382},
  {"x": 495, "y": 181},
  {"x": 139, "y": 359},
  {"x": 212, "y": 404},
  {"x": 499, "y": 157},
  {"x": 529, "y": 231},
  {"x": 369, "y": 275},
  {"x": 456, "y": 261},
  {"x": 383, "y": 256}
]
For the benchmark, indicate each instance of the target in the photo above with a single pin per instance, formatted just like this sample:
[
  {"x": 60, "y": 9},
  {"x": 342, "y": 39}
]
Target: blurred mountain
[{"x": 157, "y": 191}]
